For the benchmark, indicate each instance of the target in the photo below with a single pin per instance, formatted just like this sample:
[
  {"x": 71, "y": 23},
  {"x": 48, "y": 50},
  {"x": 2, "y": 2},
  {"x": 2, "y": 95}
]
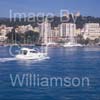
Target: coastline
[{"x": 58, "y": 45}]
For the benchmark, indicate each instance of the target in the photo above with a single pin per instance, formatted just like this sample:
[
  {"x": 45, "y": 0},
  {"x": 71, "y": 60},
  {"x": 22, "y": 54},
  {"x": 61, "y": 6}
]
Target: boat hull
[{"x": 31, "y": 57}]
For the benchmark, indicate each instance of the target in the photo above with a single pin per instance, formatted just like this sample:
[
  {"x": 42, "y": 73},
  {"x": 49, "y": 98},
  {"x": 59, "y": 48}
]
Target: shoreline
[{"x": 58, "y": 45}]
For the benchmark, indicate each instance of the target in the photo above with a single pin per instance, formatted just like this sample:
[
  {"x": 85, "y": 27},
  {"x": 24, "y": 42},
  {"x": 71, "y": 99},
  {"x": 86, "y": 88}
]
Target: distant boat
[
  {"x": 70, "y": 44},
  {"x": 30, "y": 54},
  {"x": 50, "y": 44}
]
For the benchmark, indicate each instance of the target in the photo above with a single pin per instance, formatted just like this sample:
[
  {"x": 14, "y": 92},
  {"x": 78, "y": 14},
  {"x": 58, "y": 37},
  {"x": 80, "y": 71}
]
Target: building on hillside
[
  {"x": 55, "y": 34},
  {"x": 91, "y": 31},
  {"x": 67, "y": 30},
  {"x": 23, "y": 29}
]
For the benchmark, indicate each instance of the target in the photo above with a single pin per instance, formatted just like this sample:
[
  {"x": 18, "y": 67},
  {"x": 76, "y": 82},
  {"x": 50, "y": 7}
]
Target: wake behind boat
[{"x": 31, "y": 54}]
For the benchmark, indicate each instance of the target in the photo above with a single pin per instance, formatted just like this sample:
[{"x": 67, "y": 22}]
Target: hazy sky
[{"x": 86, "y": 7}]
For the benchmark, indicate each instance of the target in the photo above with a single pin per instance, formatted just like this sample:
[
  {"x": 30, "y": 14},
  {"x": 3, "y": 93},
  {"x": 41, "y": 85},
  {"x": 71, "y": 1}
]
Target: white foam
[
  {"x": 43, "y": 58},
  {"x": 14, "y": 59},
  {"x": 7, "y": 59}
]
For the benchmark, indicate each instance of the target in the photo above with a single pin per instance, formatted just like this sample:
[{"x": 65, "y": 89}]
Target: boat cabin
[{"x": 26, "y": 51}]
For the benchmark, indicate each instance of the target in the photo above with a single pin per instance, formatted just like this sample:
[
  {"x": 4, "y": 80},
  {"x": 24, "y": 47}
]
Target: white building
[
  {"x": 2, "y": 38},
  {"x": 91, "y": 30},
  {"x": 36, "y": 29},
  {"x": 24, "y": 28},
  {"x": 3, "y": 32},
  {"x": 56, "y": 34},
  {"x": 67, "y": 30}
]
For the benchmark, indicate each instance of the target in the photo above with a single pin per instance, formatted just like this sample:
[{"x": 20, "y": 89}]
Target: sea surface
[{"x": 70, "y": 62}]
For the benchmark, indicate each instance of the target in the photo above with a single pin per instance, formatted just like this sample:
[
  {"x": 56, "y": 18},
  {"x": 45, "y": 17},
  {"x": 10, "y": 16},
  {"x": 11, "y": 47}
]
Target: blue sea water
[{"x": 71, "y": 62}]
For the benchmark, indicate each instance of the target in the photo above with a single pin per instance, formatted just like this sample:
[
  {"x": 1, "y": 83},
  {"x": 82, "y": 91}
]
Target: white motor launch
[{"x": 30, "y": 54}]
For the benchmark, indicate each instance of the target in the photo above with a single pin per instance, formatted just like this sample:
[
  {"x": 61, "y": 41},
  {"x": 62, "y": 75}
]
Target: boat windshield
[
  {"x": 24, "y": 52},
  {"x": 34, "y": 51}
]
